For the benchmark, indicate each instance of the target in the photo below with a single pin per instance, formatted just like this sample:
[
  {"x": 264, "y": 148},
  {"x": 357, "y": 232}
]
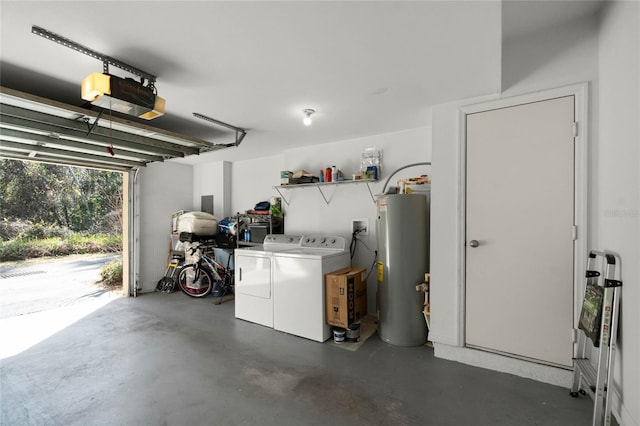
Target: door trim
[{"x": 580, "y": 92}]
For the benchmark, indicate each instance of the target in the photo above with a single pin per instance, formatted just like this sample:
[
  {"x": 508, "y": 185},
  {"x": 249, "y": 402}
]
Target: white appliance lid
[{"x": 310, "y": 253}]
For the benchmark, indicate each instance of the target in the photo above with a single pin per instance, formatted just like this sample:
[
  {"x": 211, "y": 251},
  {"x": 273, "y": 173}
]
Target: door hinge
[
  {"x": 574, "y": 232},
  {"x": 575, "y": 129}
]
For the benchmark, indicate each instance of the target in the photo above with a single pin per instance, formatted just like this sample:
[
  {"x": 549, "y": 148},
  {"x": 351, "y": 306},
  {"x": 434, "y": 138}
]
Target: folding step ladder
[{"x": 599, "y": 323}]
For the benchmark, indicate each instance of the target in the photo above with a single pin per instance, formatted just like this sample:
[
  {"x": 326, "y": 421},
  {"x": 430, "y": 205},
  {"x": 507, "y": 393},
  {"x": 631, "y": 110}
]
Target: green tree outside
[
  {"x": 79, "y": 199},
  {"x": 52, "y": 210}
]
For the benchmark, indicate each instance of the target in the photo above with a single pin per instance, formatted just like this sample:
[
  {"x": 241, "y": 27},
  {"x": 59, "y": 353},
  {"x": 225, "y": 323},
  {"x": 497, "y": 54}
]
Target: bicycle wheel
[
  {"x": 195, "y": 281},
  {"x": 166, "y": 285},
  {"x": 160, "y": 285}
]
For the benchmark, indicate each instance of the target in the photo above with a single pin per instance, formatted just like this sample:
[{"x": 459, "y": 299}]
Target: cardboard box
[
  {"x": 346, "y": 296},
  {"x": 301, "y": 173}
]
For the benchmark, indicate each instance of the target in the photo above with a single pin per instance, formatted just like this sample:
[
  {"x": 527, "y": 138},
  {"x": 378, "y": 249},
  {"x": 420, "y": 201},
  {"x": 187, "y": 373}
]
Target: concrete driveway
[
  {"x": 41, "y": 297},
  {"x": 49, "y": 284}
]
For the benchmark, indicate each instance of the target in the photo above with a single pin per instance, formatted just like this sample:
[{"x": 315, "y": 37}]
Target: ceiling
[{"x": 366, "y": 67}]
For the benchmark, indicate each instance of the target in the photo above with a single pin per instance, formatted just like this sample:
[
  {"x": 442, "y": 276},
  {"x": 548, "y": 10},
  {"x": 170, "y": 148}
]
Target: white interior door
[{"x": 520, "y": 211}]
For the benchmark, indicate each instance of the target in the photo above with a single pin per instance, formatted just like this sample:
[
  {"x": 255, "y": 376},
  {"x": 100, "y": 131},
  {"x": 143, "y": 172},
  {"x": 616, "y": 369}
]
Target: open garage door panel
[{"x": 38, "y": 129}]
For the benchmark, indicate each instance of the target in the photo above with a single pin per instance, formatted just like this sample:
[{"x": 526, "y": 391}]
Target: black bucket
[{"x": 353, "y": 333}]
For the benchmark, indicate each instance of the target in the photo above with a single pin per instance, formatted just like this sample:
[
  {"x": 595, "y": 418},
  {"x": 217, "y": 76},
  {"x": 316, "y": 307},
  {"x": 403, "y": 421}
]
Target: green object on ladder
[{"x": 598, "y": 323}]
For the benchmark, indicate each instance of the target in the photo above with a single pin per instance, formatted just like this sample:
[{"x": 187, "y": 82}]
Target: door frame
[
  {"x": 130, "y": 234},
  {"x": 580, "y": 92}
]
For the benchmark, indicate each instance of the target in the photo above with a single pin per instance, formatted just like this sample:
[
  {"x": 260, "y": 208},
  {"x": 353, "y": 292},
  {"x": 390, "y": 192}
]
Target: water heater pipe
[{"x": 425, "y": 163}]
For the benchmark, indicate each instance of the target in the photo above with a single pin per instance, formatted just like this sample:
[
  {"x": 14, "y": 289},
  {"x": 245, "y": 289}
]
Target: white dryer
[
  {"x": 253, "y": 278},
  {"x": 299, "y": 287}
]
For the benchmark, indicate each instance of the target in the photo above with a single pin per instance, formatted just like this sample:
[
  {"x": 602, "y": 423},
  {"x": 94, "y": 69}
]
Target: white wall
[
  {"x": 608, "y": 58},
  {"x": 446, "y": 214},
  {"x": 254, "y": 180},
  {"x": 558, "y": 57},
  {"x": 308, "y": 212},
  {"x": 213, "y": 179},
  {"x": 618, "y": 215},
  {"x": 162, "y": 189}
]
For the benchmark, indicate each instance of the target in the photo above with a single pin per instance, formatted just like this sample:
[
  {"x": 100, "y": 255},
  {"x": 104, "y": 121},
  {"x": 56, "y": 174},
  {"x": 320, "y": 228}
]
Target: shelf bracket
[
  {"x": 371, "y": 193},
  {"x": 281, "y": 195},
  {"x": 323, "y": 196}
]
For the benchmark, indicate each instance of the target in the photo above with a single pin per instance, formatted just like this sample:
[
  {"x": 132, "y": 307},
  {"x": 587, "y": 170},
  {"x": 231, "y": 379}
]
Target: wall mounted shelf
[{"x": 320, "y": 185}]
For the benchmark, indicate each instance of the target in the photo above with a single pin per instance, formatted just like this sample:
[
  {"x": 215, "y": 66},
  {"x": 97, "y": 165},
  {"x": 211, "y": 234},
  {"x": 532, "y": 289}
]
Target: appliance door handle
[{"x": 239, "y": 274}]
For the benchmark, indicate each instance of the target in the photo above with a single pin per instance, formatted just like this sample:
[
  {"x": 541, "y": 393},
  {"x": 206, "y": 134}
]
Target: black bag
[
  {"x": 262, "y": 205},
  {"x": 190, "y": 237}
]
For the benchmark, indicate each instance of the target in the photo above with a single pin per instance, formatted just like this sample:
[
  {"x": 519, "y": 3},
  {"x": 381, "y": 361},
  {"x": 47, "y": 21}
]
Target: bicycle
[{"x": 200, "y": 278}]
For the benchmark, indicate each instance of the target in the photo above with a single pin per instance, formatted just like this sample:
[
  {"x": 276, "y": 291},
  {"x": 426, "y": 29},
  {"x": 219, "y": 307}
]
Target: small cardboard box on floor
[{"x": 346, "y": 296}]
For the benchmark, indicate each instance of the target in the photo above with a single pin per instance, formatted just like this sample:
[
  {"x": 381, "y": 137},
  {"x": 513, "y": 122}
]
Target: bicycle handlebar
[
  {"x": 196, "y": 248},
  {"x": 210, "y": 259}
]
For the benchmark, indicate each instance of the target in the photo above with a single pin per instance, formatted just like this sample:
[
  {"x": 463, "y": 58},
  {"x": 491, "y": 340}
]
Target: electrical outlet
[{"x": 361, "y": 225}]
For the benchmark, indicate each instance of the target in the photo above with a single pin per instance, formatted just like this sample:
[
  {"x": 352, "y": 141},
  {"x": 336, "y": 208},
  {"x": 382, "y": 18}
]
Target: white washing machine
[
  {"x": 253, "y": 278},
  {"x": 299, "y": 288}
]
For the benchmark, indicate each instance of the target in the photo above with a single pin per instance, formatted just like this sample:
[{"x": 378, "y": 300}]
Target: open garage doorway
[
  {"x": 47, "y": 131},
  {"x": 52, "y": 213}
]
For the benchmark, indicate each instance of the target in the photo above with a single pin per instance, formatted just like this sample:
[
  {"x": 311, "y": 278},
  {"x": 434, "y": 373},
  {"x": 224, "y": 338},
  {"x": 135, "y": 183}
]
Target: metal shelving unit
[{"x": 252, "y": 218}]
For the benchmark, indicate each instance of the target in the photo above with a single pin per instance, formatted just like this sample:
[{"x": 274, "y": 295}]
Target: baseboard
[
  {"x": 619, "y": 410},
  {"x": 491, "y": 361},
  {"x": 436, "y": 338}
]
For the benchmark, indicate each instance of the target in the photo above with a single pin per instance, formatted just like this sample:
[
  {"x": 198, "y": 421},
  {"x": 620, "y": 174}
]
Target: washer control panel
[
  {"x": 283, "y": 239},
  {"x": 324, "y": 241}
]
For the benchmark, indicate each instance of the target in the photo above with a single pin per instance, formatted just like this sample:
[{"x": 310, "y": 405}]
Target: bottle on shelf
[
  {"x": 327, "y": 174},
  {"x": 334, "y": 174}
]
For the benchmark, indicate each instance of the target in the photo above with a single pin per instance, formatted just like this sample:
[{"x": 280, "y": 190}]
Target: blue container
[{"x": 373, "y": 169}]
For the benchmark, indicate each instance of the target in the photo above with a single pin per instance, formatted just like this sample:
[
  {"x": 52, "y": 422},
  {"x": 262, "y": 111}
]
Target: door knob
[{"x": 474, "y": 243}]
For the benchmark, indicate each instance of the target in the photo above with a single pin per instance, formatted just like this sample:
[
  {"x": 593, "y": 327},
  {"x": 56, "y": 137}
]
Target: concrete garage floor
[{"x": 170, "y": 360}]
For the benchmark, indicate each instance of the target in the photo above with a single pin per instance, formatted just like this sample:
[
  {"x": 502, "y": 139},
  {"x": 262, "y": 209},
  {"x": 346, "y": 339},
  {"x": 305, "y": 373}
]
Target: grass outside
[
  {"x": 29, "y": 248},
  {"x": 111, "y": 275},
  {"x": 37, "y": 243}
]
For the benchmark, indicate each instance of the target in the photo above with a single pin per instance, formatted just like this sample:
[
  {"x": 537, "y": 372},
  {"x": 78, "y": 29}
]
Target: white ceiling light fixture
[{"x": 307, "y": 114}]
